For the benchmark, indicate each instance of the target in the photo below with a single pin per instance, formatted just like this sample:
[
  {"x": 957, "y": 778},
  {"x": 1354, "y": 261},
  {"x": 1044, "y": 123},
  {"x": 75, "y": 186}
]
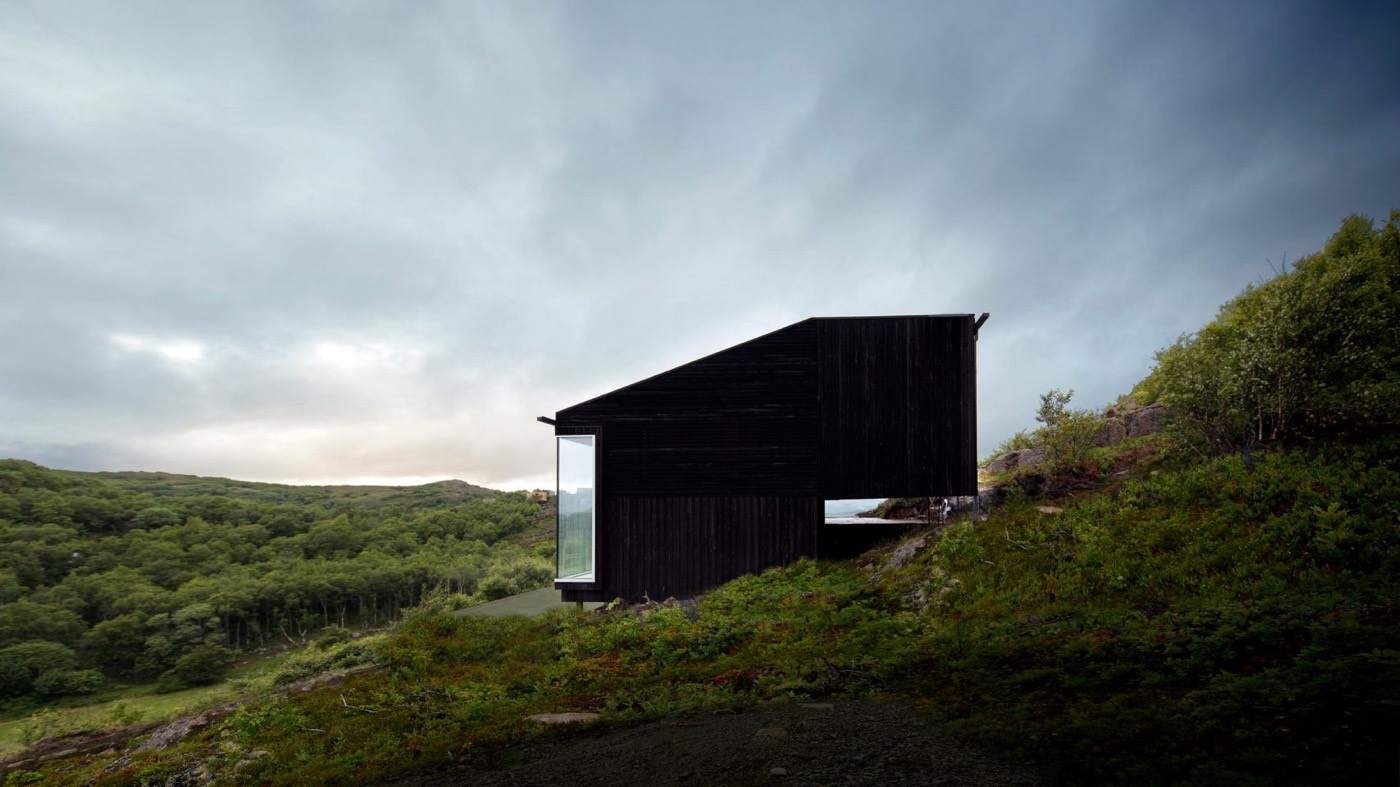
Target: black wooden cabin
[{"x": 719, "y": 467}]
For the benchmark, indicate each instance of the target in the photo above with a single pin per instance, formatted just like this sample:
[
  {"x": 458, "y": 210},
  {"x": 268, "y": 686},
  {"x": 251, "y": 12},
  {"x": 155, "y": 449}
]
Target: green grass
[
  {"x": 1200, "y": 623},
  {"x": 130, "y": 704}
]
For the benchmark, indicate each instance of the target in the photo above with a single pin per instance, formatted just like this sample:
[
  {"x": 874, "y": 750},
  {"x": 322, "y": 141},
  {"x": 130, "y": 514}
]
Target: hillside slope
[
  {"x": 1193, "y": 621},
  {"x": 1217, "y": 602},
  {"x": 139, "y": 578}
]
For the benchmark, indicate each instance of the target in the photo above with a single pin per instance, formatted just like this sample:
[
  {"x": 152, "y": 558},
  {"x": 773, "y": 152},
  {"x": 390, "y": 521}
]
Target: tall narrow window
[{"x": 577, "y": 488}]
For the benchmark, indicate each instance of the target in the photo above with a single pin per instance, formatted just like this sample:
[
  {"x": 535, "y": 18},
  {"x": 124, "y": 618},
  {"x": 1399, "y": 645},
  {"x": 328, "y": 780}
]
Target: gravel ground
[{"x": 865, "y": 743}]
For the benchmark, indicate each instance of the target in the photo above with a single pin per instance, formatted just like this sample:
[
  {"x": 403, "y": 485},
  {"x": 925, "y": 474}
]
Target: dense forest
[{"x": 137, "y": 576}]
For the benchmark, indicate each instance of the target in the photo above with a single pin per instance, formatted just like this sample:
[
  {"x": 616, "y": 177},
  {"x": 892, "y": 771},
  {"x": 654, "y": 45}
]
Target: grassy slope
[
  {"x": 1200, "y": 623},
  {"x": 128, "y": 704}
]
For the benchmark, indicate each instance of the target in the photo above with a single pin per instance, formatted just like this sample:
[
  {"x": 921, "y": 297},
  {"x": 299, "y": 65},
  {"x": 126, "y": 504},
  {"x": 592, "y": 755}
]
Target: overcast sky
[{"x": 372, "y": 241}]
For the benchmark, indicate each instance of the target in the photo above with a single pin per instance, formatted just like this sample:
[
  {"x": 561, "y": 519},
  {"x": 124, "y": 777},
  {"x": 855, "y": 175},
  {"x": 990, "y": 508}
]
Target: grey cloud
[{"x": 397, "y": 233}]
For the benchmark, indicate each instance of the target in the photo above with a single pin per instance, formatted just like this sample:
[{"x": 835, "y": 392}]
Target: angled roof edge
[{"x": 648, "y": 378}]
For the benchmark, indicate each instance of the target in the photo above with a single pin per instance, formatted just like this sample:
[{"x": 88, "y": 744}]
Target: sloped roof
[{"x": 744, "y": 343}]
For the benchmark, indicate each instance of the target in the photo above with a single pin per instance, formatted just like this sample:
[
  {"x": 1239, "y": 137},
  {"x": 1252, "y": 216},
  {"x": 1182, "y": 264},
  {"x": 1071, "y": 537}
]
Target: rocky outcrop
[
  {"x": 1034, "y": 479},
  {"x": 990, "y": 497},
  {"x": 181, "y": 728},
  {"x": 1121, "y": 425},
  {"x": 1146, "y": 420},
  {"x": 1011, "y": 460},
  {"x": 905, "y": 552}
]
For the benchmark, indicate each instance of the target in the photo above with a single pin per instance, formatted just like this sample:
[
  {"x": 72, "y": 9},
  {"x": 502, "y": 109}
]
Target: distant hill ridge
[{"x": 162, "y": 484}]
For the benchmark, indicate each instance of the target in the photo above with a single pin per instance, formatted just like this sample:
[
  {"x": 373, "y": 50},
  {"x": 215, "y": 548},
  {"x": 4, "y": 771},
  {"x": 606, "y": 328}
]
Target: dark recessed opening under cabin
[{"x": 720, "y": 467}]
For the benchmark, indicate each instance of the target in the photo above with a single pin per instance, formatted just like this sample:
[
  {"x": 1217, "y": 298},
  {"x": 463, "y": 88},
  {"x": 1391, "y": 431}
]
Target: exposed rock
[
  {"x": 88, "y": 742},
  {"x": 917, "y": 598},
  {"x": 690, "y": 606},
  {"x": 1146, "y": 420},
  {"x": 1025, "y": 457},
  {"x": 777, "y": 772},
  {"x": 1050, "y": 509},
  {"x": 905, "y": 552},
  {"x": 181, "y": 728},
  {"x": 1112, "y": 431},
  {"x": 989, "y": 497},
  {"x": 563, "y": 718},
  {"x": 945, "y": 584},
  {"x": 1032, "y": 483},
  {"x": 196, "y": 774},
  {"x": 250, "y": 761},
  {"x": 1001, "y": 463}
]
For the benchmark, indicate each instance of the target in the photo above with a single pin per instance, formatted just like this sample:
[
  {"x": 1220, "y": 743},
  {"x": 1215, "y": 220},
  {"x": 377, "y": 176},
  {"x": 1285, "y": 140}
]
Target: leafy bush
[
  {"x": 1021, "y": 440},
  {"x": 202, "y": 666},
  {"x": 314, "y": 661},
  {"x": 516, "y": 575},
  {"x": 331, "y": 635},
  {"x": 1312, "y": 352},
  {"x": 1203, "y": 625},
  {"x": 1053, "y": 406},
  {"x": 1066, "y": 435},
  {"x": 22, "y": 665},
  {"x": 68, "y": 681}
]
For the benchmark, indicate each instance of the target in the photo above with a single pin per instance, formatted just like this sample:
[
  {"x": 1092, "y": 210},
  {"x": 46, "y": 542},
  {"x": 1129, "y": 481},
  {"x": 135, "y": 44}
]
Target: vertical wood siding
[
  {"x": 719, "y": 467},
  {"x": 898, "y": 407},
  {"x": 741, "y": 421},
  {"x": 681, "y": 546}
]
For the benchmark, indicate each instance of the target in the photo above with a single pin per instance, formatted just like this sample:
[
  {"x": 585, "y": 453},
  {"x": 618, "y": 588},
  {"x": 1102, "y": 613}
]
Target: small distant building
[
  {"x": 719, "y": 467},
  {"x": 537, "y": 496}
]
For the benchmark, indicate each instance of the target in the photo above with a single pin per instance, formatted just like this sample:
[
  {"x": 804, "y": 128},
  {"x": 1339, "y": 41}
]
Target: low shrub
[
  {"x": 314, "y": 661},
  {"x": 516, "y": 575},
  {"x": 331, "y": 635},
  {"x": 202, "y": 666}
]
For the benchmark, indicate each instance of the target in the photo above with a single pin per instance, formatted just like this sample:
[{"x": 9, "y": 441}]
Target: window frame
[{"x": 592, "y": 575}]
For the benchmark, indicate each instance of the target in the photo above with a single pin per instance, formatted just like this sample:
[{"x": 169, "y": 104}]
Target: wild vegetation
[
  {"x": 1186, "y": 612},
  {"x": 134, "y": 577},
  {"x": 1309, "y": 354}
]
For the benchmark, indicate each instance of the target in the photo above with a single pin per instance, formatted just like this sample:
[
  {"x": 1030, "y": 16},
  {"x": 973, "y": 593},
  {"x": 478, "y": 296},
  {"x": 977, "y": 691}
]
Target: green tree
[
  {"x": 25, "y": 620},
  {"x": 202, "y": 666},
  {"x": 22, "y": 665},
  {"x": 156, "y": 517},
  {"x": 1053, "y": 404},
  {"x": 68, "y": 681},
  {"x": 1313, "y": 352},
  {"x": 116, "y": 645}
]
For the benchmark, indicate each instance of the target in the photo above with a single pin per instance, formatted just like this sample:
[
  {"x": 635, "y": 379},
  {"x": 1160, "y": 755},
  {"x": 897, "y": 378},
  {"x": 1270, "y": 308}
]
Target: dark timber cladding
[{"x": 719, "y": 467}]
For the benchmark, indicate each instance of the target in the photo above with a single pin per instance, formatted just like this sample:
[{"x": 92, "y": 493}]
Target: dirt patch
[{"x": 809, "y": 744}]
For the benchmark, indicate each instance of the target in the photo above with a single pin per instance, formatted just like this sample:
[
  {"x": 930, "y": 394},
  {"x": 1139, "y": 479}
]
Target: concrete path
[{"x": 533, "y": 603}]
